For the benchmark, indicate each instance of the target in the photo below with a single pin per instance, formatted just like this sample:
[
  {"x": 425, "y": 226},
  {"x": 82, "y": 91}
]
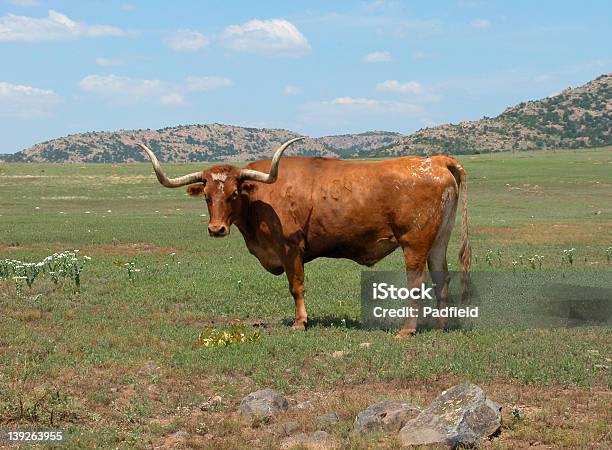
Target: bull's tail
[{"x": 465, "y": 250}]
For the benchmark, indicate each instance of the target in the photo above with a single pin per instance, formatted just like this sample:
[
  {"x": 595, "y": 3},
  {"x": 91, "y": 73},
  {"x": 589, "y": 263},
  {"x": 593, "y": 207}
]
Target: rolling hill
[
  {"x": 215, "y": 142},
  {"x": 574, "y": 118}
]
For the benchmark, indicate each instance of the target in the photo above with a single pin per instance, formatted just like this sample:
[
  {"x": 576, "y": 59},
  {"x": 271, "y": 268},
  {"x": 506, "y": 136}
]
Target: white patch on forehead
[{"x": 219, "y": 177}]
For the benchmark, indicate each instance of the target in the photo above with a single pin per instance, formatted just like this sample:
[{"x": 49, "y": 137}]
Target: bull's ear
[
  {"x": 195, "y": 190},
  {"x": 245, "y": 188}
]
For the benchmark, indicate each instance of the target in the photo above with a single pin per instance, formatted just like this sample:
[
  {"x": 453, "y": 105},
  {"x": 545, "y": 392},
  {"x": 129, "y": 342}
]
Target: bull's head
[{"x": 220, "y": 186}]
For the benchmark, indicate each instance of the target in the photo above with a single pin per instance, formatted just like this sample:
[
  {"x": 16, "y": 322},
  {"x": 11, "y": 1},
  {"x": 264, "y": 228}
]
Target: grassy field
[{"x": 117, "y": 364}]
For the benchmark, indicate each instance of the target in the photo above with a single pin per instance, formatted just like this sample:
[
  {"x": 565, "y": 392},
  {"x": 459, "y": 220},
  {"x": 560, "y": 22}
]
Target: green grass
[{"x": 74, "y": 356}]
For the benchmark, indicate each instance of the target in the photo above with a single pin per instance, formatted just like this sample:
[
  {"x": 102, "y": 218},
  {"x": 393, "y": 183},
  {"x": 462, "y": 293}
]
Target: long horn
[
  {"x": 255, "y": 175},
  {"x": 191, "y": 178}
]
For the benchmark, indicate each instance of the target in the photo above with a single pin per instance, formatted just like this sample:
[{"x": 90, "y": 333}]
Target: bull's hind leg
[
  {"x": 438, "y": 270},
  {"x": 294, "y": 268},
  {"x": 436, "y": 259},
  {"x": 414, "y": 259}
]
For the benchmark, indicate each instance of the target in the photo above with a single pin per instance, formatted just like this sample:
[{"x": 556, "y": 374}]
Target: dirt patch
[
  {"x": 526, "y": 188},
  {"x": 128, "y": 249},
  {"x": 195, "y": 320},
  {"x": 546, "y": 234},
  {"x": 13, "y": 247},
  {"x": 137, "y": 248}
]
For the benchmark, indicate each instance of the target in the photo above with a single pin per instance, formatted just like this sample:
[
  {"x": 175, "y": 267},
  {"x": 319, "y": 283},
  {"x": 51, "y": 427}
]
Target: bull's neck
[{"x": 245, "y": 221}]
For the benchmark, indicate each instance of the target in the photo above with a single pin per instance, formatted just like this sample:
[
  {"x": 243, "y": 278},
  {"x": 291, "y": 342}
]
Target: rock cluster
[{"x": 461, "y": 416}]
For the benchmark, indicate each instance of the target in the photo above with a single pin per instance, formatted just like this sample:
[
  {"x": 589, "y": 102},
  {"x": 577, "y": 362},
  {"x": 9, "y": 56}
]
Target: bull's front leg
[{"x": 294, "y": 268}]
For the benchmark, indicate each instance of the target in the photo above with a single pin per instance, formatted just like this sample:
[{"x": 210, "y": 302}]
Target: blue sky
[{"x": 315, "y": 67}]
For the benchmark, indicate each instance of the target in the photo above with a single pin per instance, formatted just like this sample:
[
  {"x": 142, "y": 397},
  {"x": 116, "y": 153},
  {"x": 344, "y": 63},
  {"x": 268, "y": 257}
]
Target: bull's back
[{"x": 355, "y": 209}]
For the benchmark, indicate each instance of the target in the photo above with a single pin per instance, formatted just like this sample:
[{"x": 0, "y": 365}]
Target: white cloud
[
  {"x": 274, "y": 37},
  {"x": 480, "y": 23},
  {"x": 123, "y": 90},
  {"x": 53, "y": 27},
  {"x": 123, "y": 86},
  {"x": 17, "y": 100},
  {"x": 290, "y": 90},
  {"x": 172, "y": 99},
  {"x": 354, "y": 101},
  {"x": 419, "y": 55},
  {"x": 25, "y": 2},
  {"x": 208, "y": 83},
  {"x": 127, "y": 7},
  {"x": 347, "y": 111},
  {"x": 371, "y": 105},
  {"x": 187, "y": 41},
  {"x": 409, "y": 87},
  {"x": 109, "y": 62},
  {"x": 376, "y": 57}
]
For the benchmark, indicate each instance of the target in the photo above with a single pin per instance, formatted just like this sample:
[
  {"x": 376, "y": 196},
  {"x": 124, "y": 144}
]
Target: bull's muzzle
[{"x": 218, "y": 230}]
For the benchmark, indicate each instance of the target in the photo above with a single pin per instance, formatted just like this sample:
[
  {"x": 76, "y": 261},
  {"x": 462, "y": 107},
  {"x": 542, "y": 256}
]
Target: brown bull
[{"x": 318, "y": 207}]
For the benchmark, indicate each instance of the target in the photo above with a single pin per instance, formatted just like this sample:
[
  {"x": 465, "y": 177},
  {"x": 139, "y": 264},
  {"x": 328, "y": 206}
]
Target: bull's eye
[{"x": 234, "y": 195}]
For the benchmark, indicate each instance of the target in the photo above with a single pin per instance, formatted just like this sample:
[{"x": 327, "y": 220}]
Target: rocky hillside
[
  {"x": 579, "y": 117},
  {"x": 214, "y": 142},
  {"x": 574, "y": 118}
]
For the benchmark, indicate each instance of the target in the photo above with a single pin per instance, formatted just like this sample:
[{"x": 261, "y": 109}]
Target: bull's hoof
[
  {"x": 299, "y": 326},
  {"x": 405, "y": 332}
]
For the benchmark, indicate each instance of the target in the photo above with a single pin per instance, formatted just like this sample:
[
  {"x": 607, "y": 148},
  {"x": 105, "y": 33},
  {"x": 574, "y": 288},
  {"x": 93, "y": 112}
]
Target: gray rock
[
  {"x": 263, "y": 404},
  {"x": 318, "y": 440},
  {"x": 286, "y": 428},
  {"x": 327, "y": 420},
  {"x": 388, "y": 416},
  {"x": 459, "y": 417}
]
